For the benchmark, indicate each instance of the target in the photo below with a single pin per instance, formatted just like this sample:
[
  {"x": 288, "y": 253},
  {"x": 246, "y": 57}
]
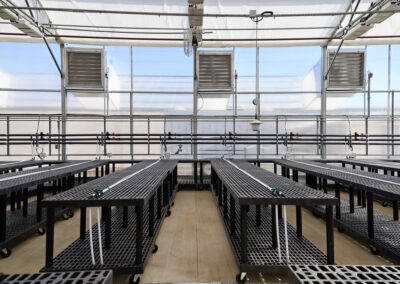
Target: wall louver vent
[
  {"x": 215, "y": 70},
  {"x": 347, "y": 71},
  {"x": 85, "y": 68}
]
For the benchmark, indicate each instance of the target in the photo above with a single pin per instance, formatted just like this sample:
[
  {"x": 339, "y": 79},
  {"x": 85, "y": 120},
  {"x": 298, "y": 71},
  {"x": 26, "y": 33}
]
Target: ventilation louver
[
  {"x": 347, "y": 71},
  {"x": 85, "y": 68},
  {"x": 215, "y": 70}
]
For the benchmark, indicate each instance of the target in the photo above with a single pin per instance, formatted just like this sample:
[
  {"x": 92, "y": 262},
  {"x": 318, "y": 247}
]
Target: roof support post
[
  {"x": 195, "y": 101},
  {"x": 63, "y": 108},
  {"x": 323, "y": 102}
]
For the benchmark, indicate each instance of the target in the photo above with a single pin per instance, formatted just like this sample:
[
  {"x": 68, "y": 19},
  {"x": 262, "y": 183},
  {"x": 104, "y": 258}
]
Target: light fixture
[
  {"x": 27, "y": 28},
  {"x": 8, "y": 15},
  {"x": 380, "y": 17}
]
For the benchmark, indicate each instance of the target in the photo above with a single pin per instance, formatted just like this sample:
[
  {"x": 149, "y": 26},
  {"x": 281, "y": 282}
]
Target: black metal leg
[
  {"x": 220, "y": 188},
  {"x": 311, "y": 181},
  {"x": 39, "y": 203},
  {"x": 107, "y": 169},
  {"x": 233, "y": 215},
  {"x": 50, "y": 237},
  {"x": 330, "y": 246},
  {"x": 25, "y": 202},
  {"x": 325, "y": 185},
  {"x": 125, "y": 216},
  {"x": 19, "y": 197},
  {"x": 79, "y": 178},
  {"x": 225, "y": 201},
  {"x": 243, "y": 233},
  {"x": 362, "y": 168},
  {"x": 139, "y": 234},
  {"x": 363, "y": 199},
  {"x": 370, "y": 214},
  {"x": 283, "y": 171},
  {"x": 201, "y": 173},
  {"x": 113, "y": 167},
  {"x": 165, "y": 193},
  {"x": 83, "y": 223},
  {"x": 159, "y": 205},
  {"x": 258, "y": 215},
  {"x": 12, "y": 201},
  {"x": 299, "y": 225},
  {"x": 273, "y": 229},
  {"x": 85, "y": 176},
  {"x": 279, "y": 212},
  {"x": 351, "y": 195},
  {"x": 107, "y": 231},
  {"x": 151, "y": 216},
  {"x": 359, "y": 197},
  {"x": 195, "y": 174},
  {"x": 337, "y": 195},
  {"x": 275, "y": 169},
  {"x": 395, "y": 210},
  {"x": 102, "y": 171},
  {"x": 385, "y": 172},
  {"x": 97, "y": 172},
  {"x": 295, "y": 175},
  {"x": 3, "y": 217}
]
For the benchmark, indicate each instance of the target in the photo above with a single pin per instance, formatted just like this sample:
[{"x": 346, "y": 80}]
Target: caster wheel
[
  {"x": 155, "y": 249},
  {"x": 70, "y": 213},
  {"x": 5, "y": 252},
  {"x": 384, "y": 204},
  {"x": 316, "y": 214},
  {"x": 65, "y": 216},
  {"x": 172, "y": 204},
  {"x": 374, "y": 250},
  {"x": 168, "y": 213},
  {"x": 134, "y": 279},
  {"x": 41, "y": 231},
  {"x": 241, "y": 278},
  {"x": 340, "y": 229}
]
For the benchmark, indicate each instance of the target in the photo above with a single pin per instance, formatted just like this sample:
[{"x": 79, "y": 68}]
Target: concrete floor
[{"x": 193, "y": 246}]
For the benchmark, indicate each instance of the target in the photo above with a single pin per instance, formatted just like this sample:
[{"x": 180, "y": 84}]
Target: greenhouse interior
[{"x": 199, "y": 141}]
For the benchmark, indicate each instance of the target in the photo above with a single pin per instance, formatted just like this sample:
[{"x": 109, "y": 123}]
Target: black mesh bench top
[
  {"x": 249, "y": 191},
  {"x": 20, "y": 180},
  {"x": 135, "y": 190},
  {"x": 385, "y": 186},
  {"x": 9, "y": 166},
  {"x": 391, "y": 166}
]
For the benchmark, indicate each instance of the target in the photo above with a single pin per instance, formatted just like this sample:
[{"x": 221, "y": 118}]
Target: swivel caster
[
  {"x": 168, "y": 213},
  {"x": 66, "y": 216},
  {"x": 384, "y": 203},
  {"x": 340, "y": 229},
  {"x": 374, "y": 250},
  {"x": 41, "y": 231},
  {"x": 155, "y": 249},
  {"x": 5, "y": 252},
  {"x": 70, "y": 213},
  {"x": 134, "y": 279},
  {"x": 316, "y": 214},
  {"x": 241, "y": 278}
]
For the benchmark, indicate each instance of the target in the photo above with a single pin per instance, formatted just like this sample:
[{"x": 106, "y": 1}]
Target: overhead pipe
[{"x": 158, "y": 14}]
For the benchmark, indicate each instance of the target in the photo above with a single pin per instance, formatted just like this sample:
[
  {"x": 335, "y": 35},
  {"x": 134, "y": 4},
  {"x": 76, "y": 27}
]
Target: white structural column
[
  {"x": 258, "y": 107},
  {"x": 64, "y": 106},
  {"x": 195, "y": 101},
  {"x": 323, "y": 101}
]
